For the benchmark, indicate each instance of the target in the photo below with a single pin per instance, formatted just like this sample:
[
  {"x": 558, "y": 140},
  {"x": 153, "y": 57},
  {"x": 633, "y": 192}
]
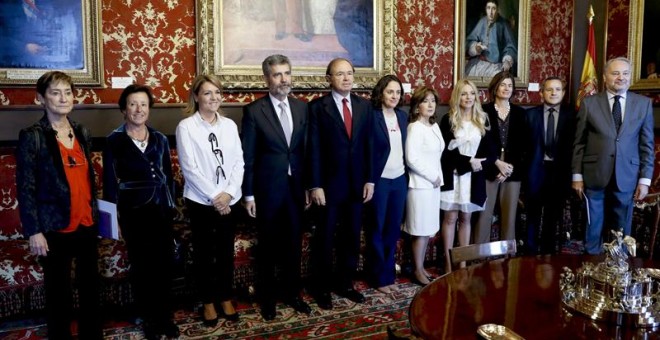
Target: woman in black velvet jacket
[
  {"x": 55, "y": 185},
  {"x": 137, "y": 175}
]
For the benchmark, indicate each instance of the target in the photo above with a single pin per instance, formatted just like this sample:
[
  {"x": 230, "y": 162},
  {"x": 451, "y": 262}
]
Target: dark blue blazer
[
  {"x": 535, "y": 148},
  {"x": 267, "y": 155},
  {"x": 381, "y": 139},
  {"x": 339, "y": 165},
  {"x": 148, "y": 173},
  {"x": 41, "y": 183}
]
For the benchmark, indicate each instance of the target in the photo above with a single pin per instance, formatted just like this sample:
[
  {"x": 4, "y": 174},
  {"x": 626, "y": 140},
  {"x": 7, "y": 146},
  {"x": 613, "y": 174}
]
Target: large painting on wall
[
  {"x": 491, "y": 36},
  {"x": 38, "y": 36},
  {"x": 644, "y": 45},
  {"x": 235, "y": 36}
]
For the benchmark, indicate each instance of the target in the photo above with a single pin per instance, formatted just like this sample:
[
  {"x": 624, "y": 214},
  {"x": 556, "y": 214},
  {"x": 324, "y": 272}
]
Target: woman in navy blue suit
[
  {"x": 137, "y": 175},
  {"x": 389, "y": 137}
]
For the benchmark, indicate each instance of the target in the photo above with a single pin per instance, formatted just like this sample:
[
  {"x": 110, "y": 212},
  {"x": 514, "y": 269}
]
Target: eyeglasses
[
  {"x": 72, "y": 162},
  {"x": 218, "y": 157}
]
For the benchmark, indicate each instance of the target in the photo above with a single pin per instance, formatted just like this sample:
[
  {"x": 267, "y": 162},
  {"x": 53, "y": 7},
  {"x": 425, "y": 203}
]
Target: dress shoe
[
  {"x": 228, "y": 317},
  {"x": 268, "y": 311},
  {"x": 324, "y": 300},
  {"x": 299, "y": 305},
  {"x": 208, "y": 322},
  {"x": 150, "y": 331},
  {"x": 169, "y": 329},
  {"x": 417, "y": 281},
  {"x": 352, "y": 295}
]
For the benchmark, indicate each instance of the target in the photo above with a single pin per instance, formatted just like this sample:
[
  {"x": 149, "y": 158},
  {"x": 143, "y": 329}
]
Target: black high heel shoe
[
  {"x": 228, "y": 317},
  {"x": 210, "y": 322}
]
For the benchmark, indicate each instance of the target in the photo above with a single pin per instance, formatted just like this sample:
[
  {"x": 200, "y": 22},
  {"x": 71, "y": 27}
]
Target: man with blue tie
[
  {"x": 613, "y": 153},
  {"x": 549, "y": 150},
  {"x": 274, "y": 130},
  {"x": 340, "y": 181}
]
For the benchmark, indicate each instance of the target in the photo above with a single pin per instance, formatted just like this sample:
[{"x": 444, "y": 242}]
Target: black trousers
[
  {"x": 280, "y": 245},
  {"x": 544, "y": 210},
  {"x": 148, "y": 234},
  {"x": 81, "y": 245},
  {"x": 213, "y": 251},
  {"x": 338, "y": 231}
]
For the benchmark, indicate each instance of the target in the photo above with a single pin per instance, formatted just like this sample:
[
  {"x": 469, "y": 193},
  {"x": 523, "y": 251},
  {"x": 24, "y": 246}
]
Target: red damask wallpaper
[
  {"x": 617, "y": 28},
  {"x": 154, "y": 41}
]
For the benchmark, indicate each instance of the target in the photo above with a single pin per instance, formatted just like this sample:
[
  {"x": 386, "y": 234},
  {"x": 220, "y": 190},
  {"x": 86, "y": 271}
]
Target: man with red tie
[{"x": 340, "y": 181}]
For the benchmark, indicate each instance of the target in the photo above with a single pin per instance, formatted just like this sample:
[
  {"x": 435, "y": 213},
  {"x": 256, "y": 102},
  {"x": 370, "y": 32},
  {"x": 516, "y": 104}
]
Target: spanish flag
[{"x": 588, "y": 82}]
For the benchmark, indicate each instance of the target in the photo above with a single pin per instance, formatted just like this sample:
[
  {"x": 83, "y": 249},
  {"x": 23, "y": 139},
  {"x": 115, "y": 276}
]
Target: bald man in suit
[
  {"x": 274, "y": 131},
  {"x": 613, "y": 153}
]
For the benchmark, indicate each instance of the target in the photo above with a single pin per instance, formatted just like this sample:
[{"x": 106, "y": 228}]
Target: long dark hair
[{"x": 377, "y": 93}]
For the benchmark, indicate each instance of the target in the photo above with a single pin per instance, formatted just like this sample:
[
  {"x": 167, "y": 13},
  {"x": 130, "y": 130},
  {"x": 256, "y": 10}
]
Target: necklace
[
  {"x": 70, "y": 135},
  {"x": 503, "y": 113},
  {"x": 142, "y": 142},
  {"x": 392, "y": 124}
]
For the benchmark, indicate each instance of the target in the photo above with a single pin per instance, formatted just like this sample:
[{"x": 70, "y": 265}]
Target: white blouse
[{"x": 203, "y": 168}]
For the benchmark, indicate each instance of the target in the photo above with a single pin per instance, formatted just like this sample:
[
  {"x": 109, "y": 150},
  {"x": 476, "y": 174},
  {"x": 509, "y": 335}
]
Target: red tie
[{"x": 348, "y": 121}]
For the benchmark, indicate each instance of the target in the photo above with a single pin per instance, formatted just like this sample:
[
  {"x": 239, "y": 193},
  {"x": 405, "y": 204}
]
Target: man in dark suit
[
  {"x": 274, "y": 131},
  {"x": 613, "y": 153},
  {"x": 549, "y": 150},
  {"x": 340, "y": 180}
]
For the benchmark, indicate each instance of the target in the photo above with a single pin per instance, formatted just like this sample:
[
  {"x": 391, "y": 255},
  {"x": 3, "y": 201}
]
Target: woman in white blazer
[{"x": 424, "y": 147}]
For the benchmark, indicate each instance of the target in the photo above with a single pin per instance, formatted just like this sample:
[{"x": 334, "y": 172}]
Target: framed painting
[
  {"x": 235, "y": 36},
  {"x": 50, "y": 35},
  {"x": 491, "y": 36},
  {"x": 644, "y": 45}
]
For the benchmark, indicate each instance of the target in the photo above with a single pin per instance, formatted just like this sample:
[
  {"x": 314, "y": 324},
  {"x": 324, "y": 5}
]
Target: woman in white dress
[
  {"x": 424, "y": 147},
  {"x": 464, "y": 187}
]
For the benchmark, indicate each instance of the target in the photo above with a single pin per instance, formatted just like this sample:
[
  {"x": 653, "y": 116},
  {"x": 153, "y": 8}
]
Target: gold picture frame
[
  {"x": 637, "y": 49},
  {"x": 90, "y": 55},
  {"x": 212, "y": 53},
  {"x": 471, "y": 14}
]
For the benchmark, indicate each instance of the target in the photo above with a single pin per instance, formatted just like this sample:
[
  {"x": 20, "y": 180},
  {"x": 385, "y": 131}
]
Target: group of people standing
[{"x": 349, "y": 157}]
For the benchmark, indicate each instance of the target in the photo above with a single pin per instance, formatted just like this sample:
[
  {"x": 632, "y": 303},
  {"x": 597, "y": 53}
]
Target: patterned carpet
[{"x": 346, "y": 321}]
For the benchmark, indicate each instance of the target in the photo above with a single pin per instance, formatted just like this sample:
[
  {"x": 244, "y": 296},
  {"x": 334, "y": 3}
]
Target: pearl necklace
[{"x": 503, "y": 112}]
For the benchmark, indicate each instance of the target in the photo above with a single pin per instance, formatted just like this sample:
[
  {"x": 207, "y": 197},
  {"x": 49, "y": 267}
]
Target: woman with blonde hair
[
  {"x": 211, "y": 159},
  {"x": 423, "y": 148},
  {"x": 464, "y": 191}
]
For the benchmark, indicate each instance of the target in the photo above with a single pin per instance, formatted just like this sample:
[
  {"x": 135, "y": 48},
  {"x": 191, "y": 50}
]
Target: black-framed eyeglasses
[{"x": 215, "y": 148}]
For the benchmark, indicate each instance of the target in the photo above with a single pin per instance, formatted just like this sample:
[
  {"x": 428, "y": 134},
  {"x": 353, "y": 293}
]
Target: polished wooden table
[{"x": 521, "y": 293}]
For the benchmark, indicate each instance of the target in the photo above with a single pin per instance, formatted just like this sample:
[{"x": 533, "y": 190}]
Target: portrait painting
[
  {"x": 491, "y": 36},
  {"x": 309, "y": 32},
  {"x": 48, "y": 35},
  {"x": 643, "y": 45}
]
